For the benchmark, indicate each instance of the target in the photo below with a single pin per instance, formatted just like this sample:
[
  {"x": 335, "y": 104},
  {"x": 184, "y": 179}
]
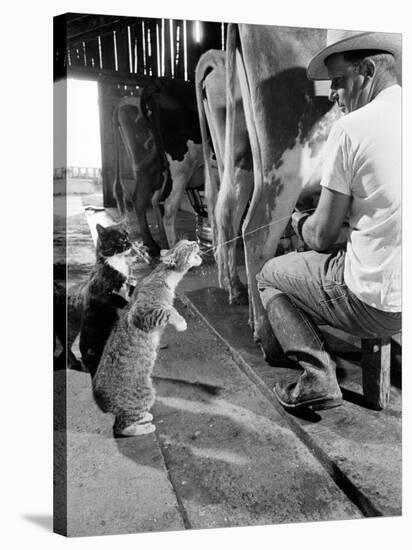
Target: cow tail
[
  {"x": 229, "y": 161},
  {"x": 147, "y": 100},
  {"x": 206, "y": 63},
  {"x": 117, "y": 184}
]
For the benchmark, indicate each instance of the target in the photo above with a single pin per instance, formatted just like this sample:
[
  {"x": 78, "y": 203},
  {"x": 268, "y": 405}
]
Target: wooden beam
[
  {"x": 108, "y": 52},
  {"x": 193, "y": 50},
  {"x": 96, "y": 25},
  {"x": 92, "y": 50},
  {"x": 60, "y": 61},
  {"x": 112, "y": 77},
  {"x": 108, "y": 76},
  {"x": 153, "y": 47},
  {"x": 122, "y": 50},
  {"x": 107, "y": 141},
  {"x": 376, "y": 372},
  {"x": 137, "y": 56},
  {"x": 179, "y": 68},
  {"x": 167, "y": 58}
]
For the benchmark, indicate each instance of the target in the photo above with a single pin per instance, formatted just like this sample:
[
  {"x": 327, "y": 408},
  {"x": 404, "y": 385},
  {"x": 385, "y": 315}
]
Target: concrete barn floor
[{"x": 224, "y": 452}]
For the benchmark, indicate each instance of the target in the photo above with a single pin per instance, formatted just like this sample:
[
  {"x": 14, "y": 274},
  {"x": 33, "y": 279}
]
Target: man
[{"x": 358, "y": 289}]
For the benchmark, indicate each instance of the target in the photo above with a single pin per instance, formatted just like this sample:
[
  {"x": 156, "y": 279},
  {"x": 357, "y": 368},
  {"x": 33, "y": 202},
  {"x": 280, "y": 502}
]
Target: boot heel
[{"x": 327, "y": 404}]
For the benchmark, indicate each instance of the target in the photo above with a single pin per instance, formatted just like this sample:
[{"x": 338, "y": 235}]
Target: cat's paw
[
  {"x": 123, "y": 292},
  {"x": 181, "y": 325},
  {"x": 137, "y": 428}
]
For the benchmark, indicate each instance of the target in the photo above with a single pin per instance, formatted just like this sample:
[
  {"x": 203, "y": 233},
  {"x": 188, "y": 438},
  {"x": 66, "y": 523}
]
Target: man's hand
[
  {"x": 321, "y": 230},
  {"x": 298, "y": 219}
]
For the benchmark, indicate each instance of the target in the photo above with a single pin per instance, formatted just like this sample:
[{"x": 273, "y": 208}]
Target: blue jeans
[{"x": 314, "y": 282}]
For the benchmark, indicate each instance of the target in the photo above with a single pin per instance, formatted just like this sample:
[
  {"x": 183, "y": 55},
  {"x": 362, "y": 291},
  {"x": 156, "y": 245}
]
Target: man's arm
[{"x": 321, "y": 229}]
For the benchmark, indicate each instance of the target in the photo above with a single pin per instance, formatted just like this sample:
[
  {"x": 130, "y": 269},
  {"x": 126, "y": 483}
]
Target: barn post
[
  {"x": 122, "y": 50},
  {"x": 60, "y": 65},
  {"x": 92, "y": 48},
  {"x": 153, "y": 47},
  {"x": 138, "y": 46}
]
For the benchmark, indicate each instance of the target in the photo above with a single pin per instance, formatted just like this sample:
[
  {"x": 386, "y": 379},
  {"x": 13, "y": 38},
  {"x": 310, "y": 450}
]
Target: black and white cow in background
[{"x": 160, "y": 130}]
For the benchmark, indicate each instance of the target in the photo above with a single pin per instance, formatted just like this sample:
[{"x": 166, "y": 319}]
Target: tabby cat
[
  {"x": 123, "y": 383},
  {"x": 106, "y": 292}
]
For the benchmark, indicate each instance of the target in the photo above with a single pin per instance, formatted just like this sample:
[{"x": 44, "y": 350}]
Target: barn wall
[
  {"x": 121, "y": 53},
  {"x": 96, "y": 44}
]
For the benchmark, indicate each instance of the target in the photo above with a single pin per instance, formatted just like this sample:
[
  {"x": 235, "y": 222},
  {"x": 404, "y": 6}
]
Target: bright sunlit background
[{"x": 83, "y": 127}]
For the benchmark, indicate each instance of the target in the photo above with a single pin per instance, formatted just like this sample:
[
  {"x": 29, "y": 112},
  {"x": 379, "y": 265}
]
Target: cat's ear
[
  {"x": 168, "y": 257},
  {"x": 148, "y": 318},
  {"x": 123, "y": 226},
  {"x": 100, "y": 229}
]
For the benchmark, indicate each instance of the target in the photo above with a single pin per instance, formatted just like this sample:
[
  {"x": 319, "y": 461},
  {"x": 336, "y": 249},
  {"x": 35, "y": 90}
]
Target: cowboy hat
[{"x": 344, "y": 41}]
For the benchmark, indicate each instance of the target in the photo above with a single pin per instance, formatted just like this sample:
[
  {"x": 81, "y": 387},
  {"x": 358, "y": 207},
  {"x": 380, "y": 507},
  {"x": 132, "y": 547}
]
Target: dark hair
[{"x": 383, "y": 60}]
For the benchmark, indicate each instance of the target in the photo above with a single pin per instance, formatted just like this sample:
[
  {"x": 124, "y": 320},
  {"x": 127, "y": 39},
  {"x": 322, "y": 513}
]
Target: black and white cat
[
  {"x": 98, "y": 297},
  {"x": 107, "y": 291}
]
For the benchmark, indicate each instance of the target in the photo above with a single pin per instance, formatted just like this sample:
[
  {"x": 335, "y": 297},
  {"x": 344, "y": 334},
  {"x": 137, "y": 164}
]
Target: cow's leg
[
  {"x": 118, "y": 194},
  {"x": 124, "y": 194},
  {"x": 274, "y": 196},
  {"x": 181, "y": 173},
  {"x": 117, "y": 184},
  {"x": 122, "y": 191},
  {"x": 130, "y": 217},
  {"x": 262, "y": 230},
  {"x": 213, "y": 174},
  {"x": 228, "y": 211},
  {"x": 158, "y": 208},
  {"x": 142, "y": 201},
  {"x": 211, "y": 195},
  {"x": 211, "y": 64},
  {"x": 180, "y": 179},
  {"x": 230, "y": 208}
]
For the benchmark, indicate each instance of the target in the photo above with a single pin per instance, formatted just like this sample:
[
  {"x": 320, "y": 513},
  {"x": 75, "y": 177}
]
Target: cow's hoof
[
  {"x": 239, "y": 300},
  {"x": 239, "y": 297}
]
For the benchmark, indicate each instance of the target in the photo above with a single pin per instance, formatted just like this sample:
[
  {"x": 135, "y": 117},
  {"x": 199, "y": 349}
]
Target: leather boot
[{"x": 300, "y": 338}]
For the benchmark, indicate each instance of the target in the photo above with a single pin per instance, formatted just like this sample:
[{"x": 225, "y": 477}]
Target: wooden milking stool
[{"x": 376, "y": 371}]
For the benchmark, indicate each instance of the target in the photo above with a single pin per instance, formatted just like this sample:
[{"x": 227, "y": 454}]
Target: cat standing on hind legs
[
  {"x": 106, "y": 292},
  {"x": 122, "y": 384}
]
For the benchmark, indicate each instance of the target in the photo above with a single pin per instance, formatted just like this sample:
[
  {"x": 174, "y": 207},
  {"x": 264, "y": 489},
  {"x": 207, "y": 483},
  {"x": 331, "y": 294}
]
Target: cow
[
  {"x": 228, "y": 204},
  {"x": 170, "y": 107},
  {"x": 148, "y": 167},
  {"x": 287, "y": 126},
  {"x": 160, "y": 130},
  {"x": 225, "y": 206}
]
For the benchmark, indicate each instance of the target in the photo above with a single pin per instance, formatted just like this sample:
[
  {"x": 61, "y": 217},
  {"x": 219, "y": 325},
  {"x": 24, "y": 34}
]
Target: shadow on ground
[{"x": 44, "y": 521}]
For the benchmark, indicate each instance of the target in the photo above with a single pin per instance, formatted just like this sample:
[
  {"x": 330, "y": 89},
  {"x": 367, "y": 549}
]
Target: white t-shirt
[{"x": 363, "y": 160}]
